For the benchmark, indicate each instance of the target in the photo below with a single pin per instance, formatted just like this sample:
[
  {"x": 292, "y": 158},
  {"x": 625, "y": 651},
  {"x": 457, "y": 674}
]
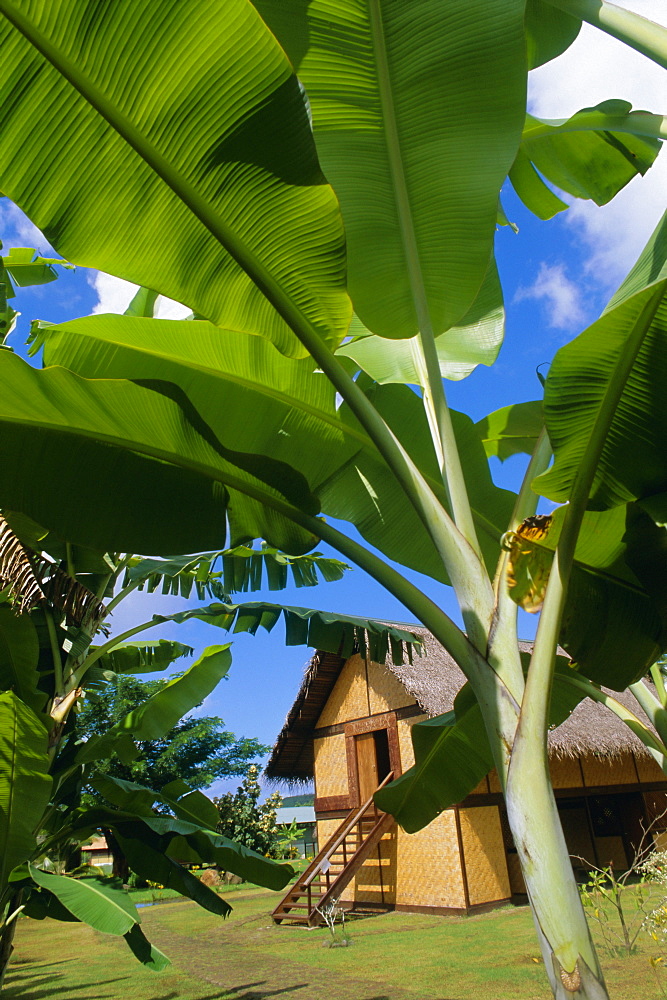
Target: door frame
[{"x": 369, "y": 725}]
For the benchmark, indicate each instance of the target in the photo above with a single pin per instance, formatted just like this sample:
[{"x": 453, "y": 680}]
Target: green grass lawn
[{"x": 395, "y": 956}]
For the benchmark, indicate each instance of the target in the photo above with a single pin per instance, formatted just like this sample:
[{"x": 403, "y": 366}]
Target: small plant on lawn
[
  {"x": 332, "y": 912},
  {"x": 626, "y": 905}
]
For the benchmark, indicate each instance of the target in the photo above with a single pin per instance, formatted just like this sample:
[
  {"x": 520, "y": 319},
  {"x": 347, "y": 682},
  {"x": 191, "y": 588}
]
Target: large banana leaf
[
  {"x": 256, "y": 399},
  {"x": 334, "y": 633},
  {"x": 181, "y": 839},
  {"x": 475, "y": 340},
  {"x": 19, "y": 656},
  {"x": 27, "y": 267},
  {"x": 451, "y": 758},
  {"x": 160, "y": 713},
  {"x": 142, "y": 658},
  {"x": 186, "y": 804},
  {"x": 417, "y": 110},
  {"x": 230, "y": 571},
  {"x": 193, "y": 152},
  {"x": 24, "y": 781},
  {"x": 124, "y": 435},
  {"x": 593, "y": 154},
  {"x": 150, "y": 862},
  {"x": 104, "y": 905},
  {"x": 607, "y": 385},
  {"x": 650, "y": 267},
  {"x": 549, "y": 31}
]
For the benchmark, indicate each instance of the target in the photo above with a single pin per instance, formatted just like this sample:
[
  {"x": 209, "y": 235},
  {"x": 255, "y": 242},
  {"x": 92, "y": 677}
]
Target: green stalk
[
  {"x": 636, "y": 31},
  {"x": 655, "y": 746},
  {"x": 651, "y": 705},
  {"x": 444, "y": 440},
  {"x": 503, "y": 652},
  {"x": 659, "y": 681},
  {"x": 121, "y": 595},
  {"x": 59, "y": 685},
  {"x": 79, "y": 672}
]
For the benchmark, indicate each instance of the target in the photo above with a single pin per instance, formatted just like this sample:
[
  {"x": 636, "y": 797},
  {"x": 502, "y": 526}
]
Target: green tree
[
  {"x": 247, "y": 821},
  {"x": 417, "y": 114},
  {"x": 198, "y": 749}
]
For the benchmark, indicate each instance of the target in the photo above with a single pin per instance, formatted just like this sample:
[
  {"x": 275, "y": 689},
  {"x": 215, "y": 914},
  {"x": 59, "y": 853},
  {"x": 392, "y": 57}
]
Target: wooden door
[{"x": 367, "y": 767}]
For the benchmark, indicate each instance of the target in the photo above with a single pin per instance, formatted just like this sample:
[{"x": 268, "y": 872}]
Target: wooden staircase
[{"x": 336, "y": 864}]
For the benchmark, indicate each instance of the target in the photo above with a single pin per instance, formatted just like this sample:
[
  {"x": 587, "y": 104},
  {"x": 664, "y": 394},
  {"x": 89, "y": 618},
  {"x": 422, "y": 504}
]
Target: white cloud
[
  {"x": 562, "y": 297},
  {"x": 597, "y": 68},
  {"x": 16, "y": 230},
  {"x": 168, "y": 309},
  {"x": 115, "y": 294}
]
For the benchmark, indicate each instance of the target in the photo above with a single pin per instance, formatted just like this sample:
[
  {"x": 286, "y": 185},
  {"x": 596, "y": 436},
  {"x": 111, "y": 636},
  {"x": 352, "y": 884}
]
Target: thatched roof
[{"x": 433, "y": 680}]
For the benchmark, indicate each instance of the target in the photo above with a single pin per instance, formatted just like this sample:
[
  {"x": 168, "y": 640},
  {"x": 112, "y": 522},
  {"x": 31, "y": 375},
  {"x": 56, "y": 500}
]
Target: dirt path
[{"x": 250, "y": 975}]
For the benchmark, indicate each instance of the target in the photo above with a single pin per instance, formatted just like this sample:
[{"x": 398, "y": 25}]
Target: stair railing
[{"x": 340, "y": 839}]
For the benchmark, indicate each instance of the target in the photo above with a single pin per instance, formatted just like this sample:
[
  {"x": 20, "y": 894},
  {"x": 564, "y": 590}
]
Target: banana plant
[
  {"x": 56, "y": 599},
  {"x": 288, "y": 224}
]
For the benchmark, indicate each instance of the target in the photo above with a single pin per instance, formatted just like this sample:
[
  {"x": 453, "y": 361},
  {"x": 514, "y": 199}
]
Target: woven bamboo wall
[
  {"x": 428, "y": 869},
  {"x": 349, "y": 698},
  {"x": 385, "y": 690},
  {"x": 577, "y": 833},
  {"x": 404, "y": 727},
  {"x": 331, "y": 766},
  {"x": 565, "y": 772},
  {"x": 611, "y": 852},
  {"x": 484, "y": 854},
  {"x": 649, "y": 769},
  {"x": 609, "y": 770},
  {"x": 655, "y": 804}
]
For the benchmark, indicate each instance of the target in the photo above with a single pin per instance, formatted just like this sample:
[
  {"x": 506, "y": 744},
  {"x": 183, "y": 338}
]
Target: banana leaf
[{"x": 185, "y": 148}]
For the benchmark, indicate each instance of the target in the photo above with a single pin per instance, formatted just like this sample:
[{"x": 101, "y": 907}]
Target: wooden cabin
[{"x": 349, "y": 729}]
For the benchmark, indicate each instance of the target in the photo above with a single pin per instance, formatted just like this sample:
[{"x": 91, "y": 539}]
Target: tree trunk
[
  {"x": 569, "y": 954},
  {"x": 120, "y": 868}
]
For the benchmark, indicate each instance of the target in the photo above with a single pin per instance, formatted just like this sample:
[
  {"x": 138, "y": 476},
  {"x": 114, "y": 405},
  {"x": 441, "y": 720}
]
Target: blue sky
[{"x": 557, "y": 277}]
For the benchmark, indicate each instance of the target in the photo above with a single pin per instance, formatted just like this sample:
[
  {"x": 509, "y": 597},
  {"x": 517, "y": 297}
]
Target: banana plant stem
[
  {"x": 503, "y": 648},
  {"x": 636, "y": 31},
  {"x": 440, "y": 419},
  {"x": 81, "y": 670},
  {"x": 55, "y": 654},
  {"x": 121, "y": 595}
]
